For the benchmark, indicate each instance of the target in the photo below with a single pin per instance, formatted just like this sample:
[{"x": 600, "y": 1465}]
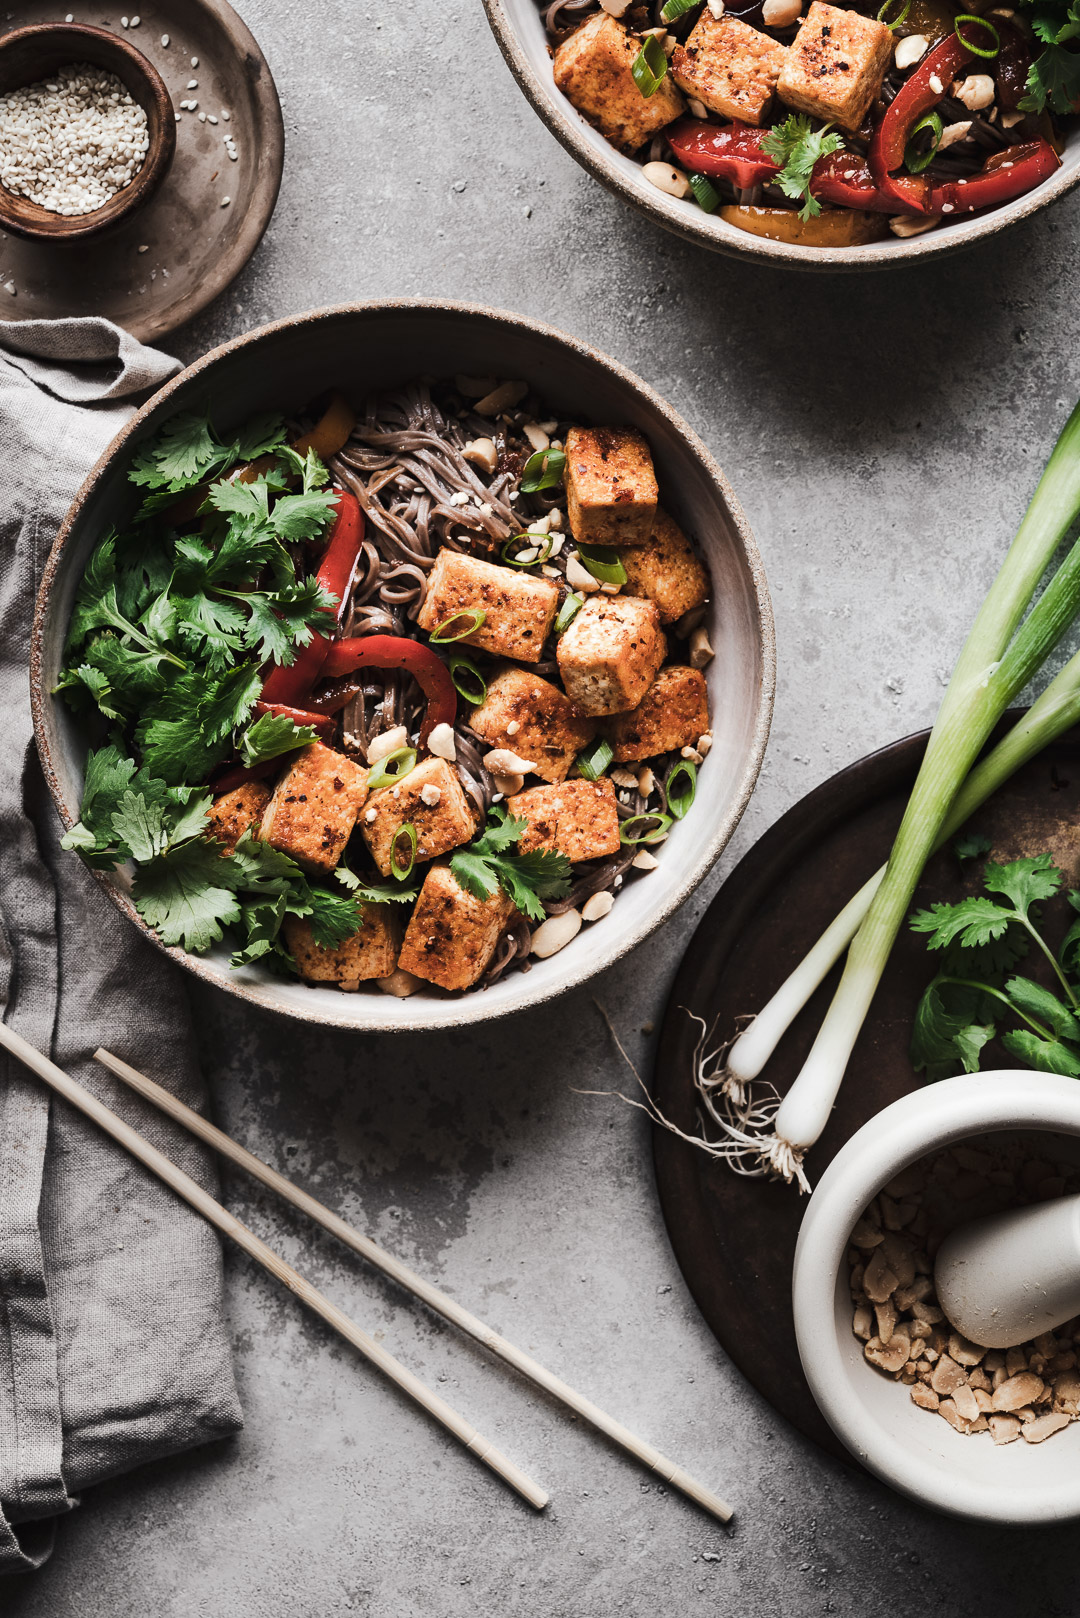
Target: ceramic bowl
[
  {"x": 28, "y": 55},
  {"x": 361, "y": 347},
  {"x": 918, "y": 1454},
  {"x": 518, "y": 27}
]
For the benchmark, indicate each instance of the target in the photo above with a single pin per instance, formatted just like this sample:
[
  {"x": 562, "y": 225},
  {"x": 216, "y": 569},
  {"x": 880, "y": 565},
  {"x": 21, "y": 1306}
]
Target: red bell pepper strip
[
  {"x": 397, "y": 652},
  {"x": 732, "y": 151},
  {"x": 845, "y": 180},
  {"x": 1003, "y": 176},
  {"x": 290, "y": 685},
  {"x": 240, "y": 774},
  {"x": 321, "y": 723},
  {"x": 1010, "y": 66}
]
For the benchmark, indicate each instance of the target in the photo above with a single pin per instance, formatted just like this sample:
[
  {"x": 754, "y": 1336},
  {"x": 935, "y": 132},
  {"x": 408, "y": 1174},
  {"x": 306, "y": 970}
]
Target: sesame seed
[
  {"x": 165, "y": 41},
  {"x": 211, "y": 119},
  {"x": 193, "y": 84},
  {"x": 224, "y": 115},
  {"x": 145, "y": 248},
  {"x": 202, "y": 117},
  {"x": 135, "y": 21},
  {"x": 225, "y": 201},
  {"x": 9, "y": 286},
  {"x": 194, "y": 61},
  {"x": 70, "y": 17},
  {"x": 123, "y": 22}
]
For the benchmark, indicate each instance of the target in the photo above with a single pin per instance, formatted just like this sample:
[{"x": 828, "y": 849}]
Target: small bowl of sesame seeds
[{"x": 87, "y": 131}]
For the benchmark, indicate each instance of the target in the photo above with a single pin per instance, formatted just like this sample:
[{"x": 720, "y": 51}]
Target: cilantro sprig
[
  {"x": 796, "y": 145},
  {"x": 1054, "y": 75},
  {"x": 977, "y": 993},
  {"x": 486, "y": 865}
]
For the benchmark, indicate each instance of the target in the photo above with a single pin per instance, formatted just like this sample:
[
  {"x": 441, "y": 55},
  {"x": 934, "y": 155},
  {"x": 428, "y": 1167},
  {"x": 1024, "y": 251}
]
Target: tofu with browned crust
[
  {"x": 611, "y": 488},
  {"x": 314, "y": 807},
  {"x": 576, "y": 818},
  {"x": 518, "y": 609},
  {"x": 673, "y": 713},
  {"x": 452, "y": 935},
  {"x": 593, "y": 70},
  {"x": 535, "y": 720},
  {"x": 666, "y": 571},
  {"x": 728, "y": 66},
  {"x": 835, "y": 65},
  {"x": 430, "y": 797},
  {"x": 234, "y": 813},
  {"x": 610, "y": 654},
  {"x": 370, "y": 953}
]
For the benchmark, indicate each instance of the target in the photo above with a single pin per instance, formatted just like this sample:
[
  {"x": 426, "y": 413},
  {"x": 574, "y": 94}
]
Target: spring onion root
[{"x": 998, "y": 658}]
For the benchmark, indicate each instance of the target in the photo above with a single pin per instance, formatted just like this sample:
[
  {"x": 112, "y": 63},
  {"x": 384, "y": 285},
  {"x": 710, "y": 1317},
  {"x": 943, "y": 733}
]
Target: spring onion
[
  {"x": 705, "y": 193},
  {"x": 536, "y": 548},
  {"x": 603, "y": 563},
  {"x": 896, "y": 20},
  {"x": 680, "y": 785},
  {"x": 571, "y": 606},
  {"x": 442, "y": 634},
  {"x": 674, "y": 9},
  {"x": 657, "y": 827},
  {"x": 408, "y": 832},
  {"x": 594, "y": 760},
  {"x": 978, "y": 50},
  {"x": 650, "y": 65},
  {"x": 468, "y": 681},
  {"x": 544, "y": 470},
  {"x": 392, "y": 768},
  {"x": 914, "y": 160},
  {"x": 990, "y": 671}
]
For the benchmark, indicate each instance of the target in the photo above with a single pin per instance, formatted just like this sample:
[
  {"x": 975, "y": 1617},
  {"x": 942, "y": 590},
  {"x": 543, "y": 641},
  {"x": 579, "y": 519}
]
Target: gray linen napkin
[{"x": 114, "y": 1349}]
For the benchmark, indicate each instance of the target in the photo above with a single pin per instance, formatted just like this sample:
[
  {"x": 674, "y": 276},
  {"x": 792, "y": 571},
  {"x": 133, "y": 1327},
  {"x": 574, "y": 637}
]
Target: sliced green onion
[
  {"x": 544, "y": 470},
  {"x": 978, "y": 50},
  {"x": 915, "y": 161},
  {"x": 572, "y": 605},
  {"x": 528, "y": 542},
  {"x": 593, "y": 761},
  {"x": 681, "y": 793},
  {"x": 408, "y": 832},
  {"x": 603, "y": 563},
  {"x": 896, "y": 20},
  {"x": 649, "y": 66},
  {"x": 392, "y": 768},
  {"x": 674, "y": 9},
  {"x": 464, "y": 672},
  {"x": 474, "y": 617},
  {"x": 653, "y": 834},
  {"x": 705, "y": 193}
]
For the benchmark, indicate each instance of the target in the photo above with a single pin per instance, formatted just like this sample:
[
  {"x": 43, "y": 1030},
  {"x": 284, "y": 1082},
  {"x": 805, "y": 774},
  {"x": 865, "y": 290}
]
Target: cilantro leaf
[
  {"x": 1024, "y": 881},
  {"x": 797, "y": 146},
  {"x": 375, "y": 893},
  {"x": 1043, "y": 1006},
  {"x": 971, "y": 921},
  {"x": 298, "y": 517},
  {"x": 280, "y": 622},
  {"x": 947, "y": 1036},
  {"x": 187, "y": 730},
  {"x": 1045, "y": 1055},
  {"x": 971, "y": 845},
  {"x": 271, "y": 736},
  {"x": 188, "y": 895},
  {"x": 332, "y": 917},
  {"x": 182, "y": 452},
  {"x": 484, "y": 866}
]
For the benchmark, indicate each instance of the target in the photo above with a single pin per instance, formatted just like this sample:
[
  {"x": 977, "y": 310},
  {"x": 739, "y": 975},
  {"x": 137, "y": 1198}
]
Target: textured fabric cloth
[{"x": 113, "y": 1344}]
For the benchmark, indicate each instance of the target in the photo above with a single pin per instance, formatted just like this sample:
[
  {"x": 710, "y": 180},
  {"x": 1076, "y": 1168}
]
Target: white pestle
[{"x": 1006, "y": 1278}]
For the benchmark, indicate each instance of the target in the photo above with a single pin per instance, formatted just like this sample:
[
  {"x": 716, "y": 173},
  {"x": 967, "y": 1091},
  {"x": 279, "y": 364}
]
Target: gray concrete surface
[{"x": 883, "y": 435}]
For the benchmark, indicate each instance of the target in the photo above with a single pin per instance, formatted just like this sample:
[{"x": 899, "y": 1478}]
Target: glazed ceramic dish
[
  {"x": 518, "y": 26},
  {"x": 365, "y": 348},
  {"x": 1015, "y": 1484}
]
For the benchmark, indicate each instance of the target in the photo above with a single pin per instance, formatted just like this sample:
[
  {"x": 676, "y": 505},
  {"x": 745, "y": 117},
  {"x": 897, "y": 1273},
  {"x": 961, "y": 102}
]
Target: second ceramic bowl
[
  {"x": 518, "y": 25},
  {"x": 362, "y": 348}
]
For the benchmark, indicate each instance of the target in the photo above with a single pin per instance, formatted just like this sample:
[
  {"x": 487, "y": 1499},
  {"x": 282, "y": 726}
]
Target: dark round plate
[
  {"x": 161, "y": 266},
  {"x": 735, "y": 1238}
]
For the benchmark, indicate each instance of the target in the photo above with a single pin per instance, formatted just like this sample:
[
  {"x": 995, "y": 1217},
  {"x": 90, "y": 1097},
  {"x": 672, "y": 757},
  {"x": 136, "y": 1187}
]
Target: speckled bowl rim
[
  {"x": 472, "y": 1008},
  {"x": 566, "y": 124}
]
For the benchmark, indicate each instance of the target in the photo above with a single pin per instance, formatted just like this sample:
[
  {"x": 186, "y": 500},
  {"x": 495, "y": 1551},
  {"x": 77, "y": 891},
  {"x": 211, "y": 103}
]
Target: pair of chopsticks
[{"x": 218, "y": 1216}]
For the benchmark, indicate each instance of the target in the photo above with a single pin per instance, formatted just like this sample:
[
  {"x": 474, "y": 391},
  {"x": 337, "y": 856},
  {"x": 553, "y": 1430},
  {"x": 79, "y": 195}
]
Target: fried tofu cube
[
  {"x": 610, "y": 486},
  {"x": 667, "y": 571},
  {"x": 234, "y": 813},
  {"x": 534, "y": 719},
  {"x": 673, "y": 713},
  {"x": 835, "y": 65},
  {"x": 370, "y": 953},
  {"x": 518, "y": 609},
  {"x": 433, "y": 799},
  {"x": 609, "y": 656},
  {"x": 577, "y": 818},
  {"x": 452, "y": 936},
  {"x": 314, "y": 807},
  {"x": 729, "y": 66},
  {"x": 593, "y": 70}
]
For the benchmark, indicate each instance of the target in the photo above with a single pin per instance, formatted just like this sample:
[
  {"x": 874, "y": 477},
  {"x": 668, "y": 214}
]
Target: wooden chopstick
[
  {"x": 443, "y": 1305},
  {"x": 212, "y": 1211}
]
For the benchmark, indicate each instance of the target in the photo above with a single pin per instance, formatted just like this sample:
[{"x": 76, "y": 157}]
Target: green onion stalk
[{"x": 992, "y": 669}]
